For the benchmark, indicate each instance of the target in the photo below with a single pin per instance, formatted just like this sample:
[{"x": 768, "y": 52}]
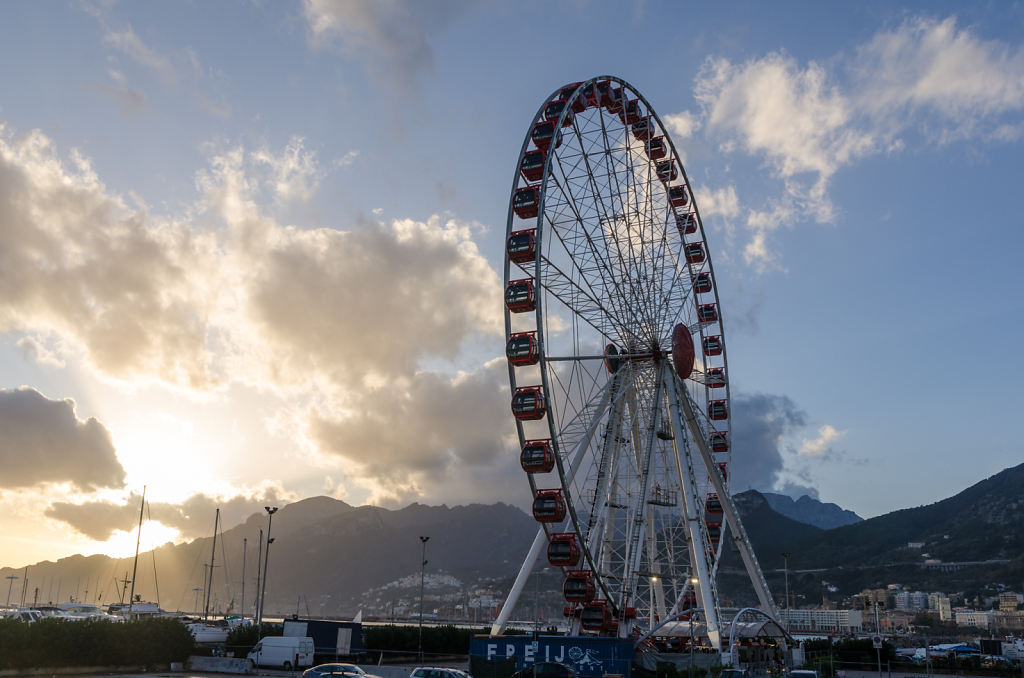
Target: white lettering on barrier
[
  {"x": 492, "y": 650},
  {"x": 510, "y": 650}
]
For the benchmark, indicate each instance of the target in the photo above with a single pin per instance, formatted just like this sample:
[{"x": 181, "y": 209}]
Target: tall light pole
[
  {"x": 271, "y": 510},
  {"x": 785, "y": 559},
  {"x": 423, "y": 568},
  {"x": 10, "y": 580}
]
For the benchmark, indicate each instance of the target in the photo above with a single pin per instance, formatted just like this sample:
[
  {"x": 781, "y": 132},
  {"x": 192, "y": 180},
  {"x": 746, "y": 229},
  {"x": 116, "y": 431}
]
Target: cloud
[
  {"x": 128, "y": 42},
  {"x": 77, "y": 262},
  {"x": 413, "y": 434},
  {"x": 760, "y": 422},
  {"x": 43, "y": 441},
  {"x": 193, "y": 517},
  {"x": 390, "y": 37},
  {"x": 131, "y": 100},
  {"x": 820, "y": 447},
  {"x": 340, "y": 322},
  {"x": 682, "y": 125},
  {"x": 924, "y": 79},
  {"x": 294, "y": 174}
]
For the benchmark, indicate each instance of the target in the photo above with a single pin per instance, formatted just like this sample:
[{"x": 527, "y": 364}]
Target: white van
[{"x": 287, "y": 652}]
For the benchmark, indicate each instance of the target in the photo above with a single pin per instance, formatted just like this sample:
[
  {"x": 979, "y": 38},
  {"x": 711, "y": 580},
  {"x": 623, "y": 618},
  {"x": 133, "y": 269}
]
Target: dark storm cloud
[
  {"x": 193, "y": 517},
  {"x": 759, "y": 423},
  {"x": 43, "y": 441}
]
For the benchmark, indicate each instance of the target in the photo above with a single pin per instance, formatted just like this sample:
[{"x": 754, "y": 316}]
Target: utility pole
[
  {"x": 785, "y": 560},
  {"x": 423, "y": 567},
  {"x": 244, "y": 545},
  {"x": 259, "y": 569}
]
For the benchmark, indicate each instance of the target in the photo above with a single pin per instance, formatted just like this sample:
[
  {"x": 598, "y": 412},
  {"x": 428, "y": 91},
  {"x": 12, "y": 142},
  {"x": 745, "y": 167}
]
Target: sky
[{"x": 251, "y": 252}]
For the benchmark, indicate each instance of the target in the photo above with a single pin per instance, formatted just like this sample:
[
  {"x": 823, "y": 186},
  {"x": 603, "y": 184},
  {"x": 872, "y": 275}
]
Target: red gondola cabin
[
  {"x": 578, "y": 587},
  {"x": 528, "y": 403},
  {"x": 689, "y": 602},
  {"x": 545, "y": 133},
  {"x": 643, "y": 128},
  {"x": 613, "y": 102},
  {"x": 713, "y": 508},
  {"x": 718, "y": 441},
  {"x": 532, "y": 164},
  {"x": 523, "y": 349},
  {"x": 520, "y": 296},
  {"x": 667, "y": 171},
  {"x": 596, "y": 616},
  {"x": 715, "y": 377},
  {"x": 553, "y": 110},
  {"x": 714, "y": 533},
  {"x": 548, "y": 506},
  {"x": 526, "y": 201},
  {"x": 630, "y": 112},
  {"x": 590, "y": 96},
  {"x": 723, "y": 468},
  {"x": 702, "y": 283},
  {"x": 611, "y": 359},
  {"x": 717, "y": 410},
  {"x": 578, "y": 104},
  {"x": 694, "y": 252},
  {"x": 537, "y": 456},
  {"x": 707, "y": 313},
  {"x": 686, "y": 223},
  {"x": 713, "y": 345},
  {"x": 656, "y": 149},
  {"x": 521, "y": 246},
  {"x": 563, "y": 550},
  {"x": 677, "y": 196}
]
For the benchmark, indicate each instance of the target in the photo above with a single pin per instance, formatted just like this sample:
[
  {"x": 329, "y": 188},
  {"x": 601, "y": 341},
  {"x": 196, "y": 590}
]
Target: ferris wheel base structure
[{"x": 618, "y": 370}]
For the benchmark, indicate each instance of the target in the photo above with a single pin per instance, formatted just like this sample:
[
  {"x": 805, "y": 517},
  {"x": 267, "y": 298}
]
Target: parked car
[
  {"x": 803, "y": 673},
  {"x": 734, "y": 673},
  {"x": 438, "y": 672},
  {"x": 336, "y": 669},
  {"x": 547, "y": 670}
]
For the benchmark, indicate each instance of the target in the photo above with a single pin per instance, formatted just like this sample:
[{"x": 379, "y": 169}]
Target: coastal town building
[{"x": 826, "y": 621}]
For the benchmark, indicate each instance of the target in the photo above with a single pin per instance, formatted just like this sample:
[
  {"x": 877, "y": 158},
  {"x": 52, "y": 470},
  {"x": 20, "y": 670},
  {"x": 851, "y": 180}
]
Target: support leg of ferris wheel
[
  {"x": 638, "y": 529},
  {"x": 693, "y": 518},
  {"x": 541, "y": 539},
  {"x": 740, "y": 538}
]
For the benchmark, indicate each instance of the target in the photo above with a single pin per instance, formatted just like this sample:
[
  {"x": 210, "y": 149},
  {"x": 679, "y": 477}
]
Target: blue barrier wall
[{"x": 589, "y": 655}]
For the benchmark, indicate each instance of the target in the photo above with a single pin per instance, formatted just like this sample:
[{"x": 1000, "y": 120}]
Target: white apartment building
[
  {"x": 825, "y": 621},
  {"x": 982, "y": 619},
  {"x": 911, "y": 601}
]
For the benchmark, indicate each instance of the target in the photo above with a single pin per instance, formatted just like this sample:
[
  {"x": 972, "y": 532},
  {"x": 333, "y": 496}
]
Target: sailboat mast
[
  {"x": 135, "y": 565},
  {"x": 213, "y": 554}
]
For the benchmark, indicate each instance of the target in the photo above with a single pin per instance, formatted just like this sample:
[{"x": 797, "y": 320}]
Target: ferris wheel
[{"x": 617, "y": 366}]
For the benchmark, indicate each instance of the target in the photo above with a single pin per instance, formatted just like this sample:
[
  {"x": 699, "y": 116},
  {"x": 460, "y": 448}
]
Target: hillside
[
  {"x": 984, "y": 522},
  {"x": 811, "y": 511},
  {"x": 335, "y": 558}
]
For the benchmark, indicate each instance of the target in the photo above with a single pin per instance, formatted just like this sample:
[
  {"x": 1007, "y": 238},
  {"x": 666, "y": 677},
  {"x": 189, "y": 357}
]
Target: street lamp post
[
  {"x": 271, "y": 510},
  {"x": 785, "y": 558},
  {"x": 423, "y": 567}
]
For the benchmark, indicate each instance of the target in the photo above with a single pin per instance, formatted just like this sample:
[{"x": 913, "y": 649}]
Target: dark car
[
  {"x": 335, "y": 669},
  {"x": 547, "y": 670}
]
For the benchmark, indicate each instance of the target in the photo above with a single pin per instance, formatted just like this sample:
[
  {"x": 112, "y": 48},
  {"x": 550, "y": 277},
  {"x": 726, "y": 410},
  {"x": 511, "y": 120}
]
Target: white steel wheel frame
[{"x": 631, "y": 448}]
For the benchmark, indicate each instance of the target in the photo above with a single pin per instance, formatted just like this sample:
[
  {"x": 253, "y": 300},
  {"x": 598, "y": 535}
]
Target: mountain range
[{"x": 329, "y": 557}]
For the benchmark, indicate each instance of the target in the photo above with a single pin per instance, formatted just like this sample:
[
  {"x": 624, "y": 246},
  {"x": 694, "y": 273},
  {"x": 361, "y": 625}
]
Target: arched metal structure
[{"x": 617, "y": 366}]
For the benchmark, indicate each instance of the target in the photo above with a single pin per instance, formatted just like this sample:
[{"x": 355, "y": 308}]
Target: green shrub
[{"x": 60, "y": 642}]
